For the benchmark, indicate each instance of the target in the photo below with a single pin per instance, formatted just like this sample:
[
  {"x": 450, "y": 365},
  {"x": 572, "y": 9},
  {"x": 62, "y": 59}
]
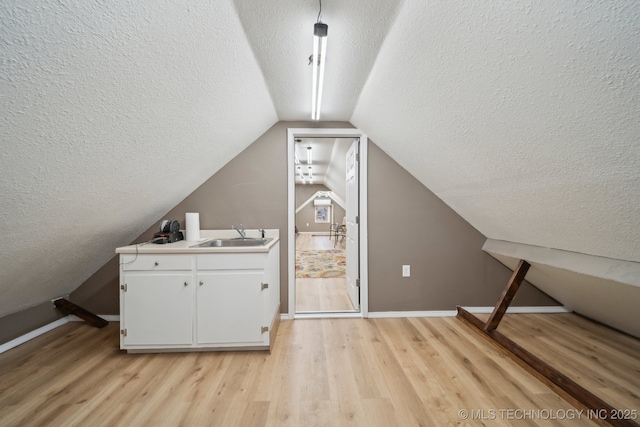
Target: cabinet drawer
[
  {"x": 237, "y": 261},
  {"x": 156, "y": 262}
]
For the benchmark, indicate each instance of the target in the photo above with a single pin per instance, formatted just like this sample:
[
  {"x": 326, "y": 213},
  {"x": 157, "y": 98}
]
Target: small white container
[{"x": 192, "y": 225}]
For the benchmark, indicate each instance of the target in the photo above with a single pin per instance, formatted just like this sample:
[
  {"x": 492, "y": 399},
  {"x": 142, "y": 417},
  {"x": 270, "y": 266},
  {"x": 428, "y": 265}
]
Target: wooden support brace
[
  {"x": 70, "y": 308},
  {"x": 507, "y": 295},
  {"x": 549, "y": 375}
]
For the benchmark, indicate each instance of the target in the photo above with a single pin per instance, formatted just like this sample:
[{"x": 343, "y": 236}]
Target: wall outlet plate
[{"x": 406, "y": 271}]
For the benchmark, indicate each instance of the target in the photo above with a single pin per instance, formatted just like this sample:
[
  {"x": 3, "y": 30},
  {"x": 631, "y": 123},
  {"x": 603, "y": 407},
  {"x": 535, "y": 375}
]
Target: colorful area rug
[{"x": 318, "y": 263}]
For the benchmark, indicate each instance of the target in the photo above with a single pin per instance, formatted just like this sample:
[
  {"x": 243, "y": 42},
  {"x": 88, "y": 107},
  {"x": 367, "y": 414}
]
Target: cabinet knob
[
  {"x": 157, "y": 263},
  {"x": 186, "y": 283},
  {"x": 201, "y": 283}
]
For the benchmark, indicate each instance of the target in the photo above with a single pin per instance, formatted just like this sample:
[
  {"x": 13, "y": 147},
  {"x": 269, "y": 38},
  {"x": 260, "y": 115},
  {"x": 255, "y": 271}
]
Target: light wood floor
[
  {"x": 579, "y": 347},
  {"x": 325, "y": 295},
  {"x": 322, "y": 372}
]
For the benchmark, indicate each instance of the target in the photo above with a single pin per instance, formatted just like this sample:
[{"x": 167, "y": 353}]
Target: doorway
[
  {"x": 324, "y": 266},
  {"x": 327, "y": 223}
]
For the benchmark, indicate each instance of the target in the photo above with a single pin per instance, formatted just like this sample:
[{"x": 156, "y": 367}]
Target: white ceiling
[
  {"x": 321, "y": 149},
  {"x": 328, "y": 162},
  {"x": 522, "y": 116},
  {"x": 111, "y": 113},
  {"x": 280, "y": 33}
]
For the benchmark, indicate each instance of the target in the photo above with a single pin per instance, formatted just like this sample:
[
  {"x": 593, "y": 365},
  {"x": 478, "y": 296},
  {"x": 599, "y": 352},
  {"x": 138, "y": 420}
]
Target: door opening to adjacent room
[{"x": 326, "y": 223}]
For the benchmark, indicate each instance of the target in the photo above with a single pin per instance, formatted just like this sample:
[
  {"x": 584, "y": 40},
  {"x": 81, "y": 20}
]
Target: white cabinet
[
  {"x": 229, "y": 307},
  {"x": 158, "y": 309},
  {"x": 177, "y": 302}
]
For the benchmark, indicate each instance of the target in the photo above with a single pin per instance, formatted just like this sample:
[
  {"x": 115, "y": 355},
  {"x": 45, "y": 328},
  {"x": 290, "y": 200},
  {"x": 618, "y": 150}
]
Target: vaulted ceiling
[{"x": 521, "y": 116}]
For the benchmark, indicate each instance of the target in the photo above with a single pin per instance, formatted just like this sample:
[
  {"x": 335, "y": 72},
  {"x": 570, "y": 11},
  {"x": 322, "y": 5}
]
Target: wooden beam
[
  {"x": 507, "y": 296},
  {"x": 549, "y": 375},
  {"x": 68, "y": 307}
]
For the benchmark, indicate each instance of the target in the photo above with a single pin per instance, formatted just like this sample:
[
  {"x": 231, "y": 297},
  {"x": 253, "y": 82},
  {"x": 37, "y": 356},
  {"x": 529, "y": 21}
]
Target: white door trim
[{"x": 292, "y": 134}]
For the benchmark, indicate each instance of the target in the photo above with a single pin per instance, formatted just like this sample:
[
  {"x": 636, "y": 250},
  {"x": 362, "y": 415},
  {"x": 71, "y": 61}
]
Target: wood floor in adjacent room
[
  {"x": 321, "y": 294},
  {"x": 322, "y": 372}
]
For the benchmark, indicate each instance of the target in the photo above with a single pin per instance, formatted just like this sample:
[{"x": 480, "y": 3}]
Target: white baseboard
[
  {"x": 107, "y": 317},
  {"x": 390, "y": 314},
  {"x": 430, "y": 313},
  {"x": 284, "y": 316},
  {"x": 474, "y": 310},
  {"x": 522, "y": 310},
  {"x": 323, "y": 315},
  {"x": 31, "y": 335},
  {"x": 48, "y": 327},
  {"x": 330, "y": 315}
]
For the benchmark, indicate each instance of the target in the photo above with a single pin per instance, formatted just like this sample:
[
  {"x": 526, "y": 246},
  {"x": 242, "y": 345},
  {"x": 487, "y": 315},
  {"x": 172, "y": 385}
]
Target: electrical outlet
[{"x": 406, "y": 271}]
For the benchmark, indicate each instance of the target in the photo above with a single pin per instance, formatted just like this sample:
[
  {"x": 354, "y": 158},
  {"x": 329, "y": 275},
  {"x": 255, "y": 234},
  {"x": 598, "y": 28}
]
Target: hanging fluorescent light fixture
[
  {"x": 295, "y": 154},
  {"x": 309, "y": 159},
  {"x": 318, "y": 60}
]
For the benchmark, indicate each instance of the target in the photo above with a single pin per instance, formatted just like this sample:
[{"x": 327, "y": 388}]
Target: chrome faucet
[
  {"x": 261, "y": 230},
  {"x": 240, "y": 230}
]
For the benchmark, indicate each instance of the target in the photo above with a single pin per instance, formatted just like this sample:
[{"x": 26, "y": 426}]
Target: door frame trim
[{"x": 292, "y": 134}]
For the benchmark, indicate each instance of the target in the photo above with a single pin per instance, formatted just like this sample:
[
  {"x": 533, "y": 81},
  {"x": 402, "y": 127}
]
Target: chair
[
  {"x": 340, "y": 231},
  {"x": 333, "y": 230}
]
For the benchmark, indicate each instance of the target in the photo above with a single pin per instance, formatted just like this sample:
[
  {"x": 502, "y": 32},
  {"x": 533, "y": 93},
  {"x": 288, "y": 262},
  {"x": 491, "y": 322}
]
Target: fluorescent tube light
[{"x": 319, "y": 59}]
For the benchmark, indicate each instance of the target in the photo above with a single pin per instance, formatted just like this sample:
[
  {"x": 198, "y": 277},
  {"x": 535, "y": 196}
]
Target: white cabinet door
[
  {"x": 229, "y": 307},
  {"x": 158, "y": 309}
]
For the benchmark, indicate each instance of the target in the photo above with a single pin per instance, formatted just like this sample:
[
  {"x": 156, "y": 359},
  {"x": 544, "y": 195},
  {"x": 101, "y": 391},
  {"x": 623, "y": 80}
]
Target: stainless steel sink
[{"x": 230, "y": 243}]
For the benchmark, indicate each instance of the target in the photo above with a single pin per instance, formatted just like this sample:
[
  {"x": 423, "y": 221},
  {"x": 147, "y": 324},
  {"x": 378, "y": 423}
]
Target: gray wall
[
  {"x": 407, "y": 225},
  {"x": 307, "y": 214},
  {"x": 22, "y": 322},
  {"x": 251, "y": 189}
]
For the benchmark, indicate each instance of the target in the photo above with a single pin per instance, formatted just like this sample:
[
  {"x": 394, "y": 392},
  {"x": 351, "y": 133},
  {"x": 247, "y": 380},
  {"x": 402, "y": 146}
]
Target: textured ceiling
[
  {"x": 522, "y": 116},
  {"x": 111, "y": 113},
  {"x": 281, "y": 34}
]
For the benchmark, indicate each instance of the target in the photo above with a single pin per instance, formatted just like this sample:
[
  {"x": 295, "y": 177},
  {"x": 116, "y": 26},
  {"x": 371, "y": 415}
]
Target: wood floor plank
[
  {"x": 315, "y": 413},
  {"x": 380, "y": 413},
  {"x": 345, "y": 403},
  {"x": 285, "y": 408},
  {"x": 366, "y": 372},
  {"x": 410, "y": 408},
  {"x": 321, "y": 372},
  {"x": 316, "y": 384}
]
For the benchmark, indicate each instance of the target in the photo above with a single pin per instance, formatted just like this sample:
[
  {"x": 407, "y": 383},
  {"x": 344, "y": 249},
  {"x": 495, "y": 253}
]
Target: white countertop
[{"x": 185, "y": 246}]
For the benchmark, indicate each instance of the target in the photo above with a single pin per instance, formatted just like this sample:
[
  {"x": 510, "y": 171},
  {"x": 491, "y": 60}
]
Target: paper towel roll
[{"x": 192, "y": 220}]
